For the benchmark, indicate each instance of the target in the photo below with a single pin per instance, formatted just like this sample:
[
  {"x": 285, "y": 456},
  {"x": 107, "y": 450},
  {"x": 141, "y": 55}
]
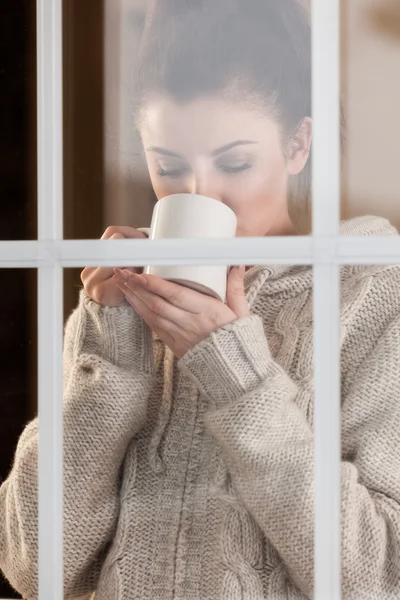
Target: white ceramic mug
[{"x": 192, "y": 216}]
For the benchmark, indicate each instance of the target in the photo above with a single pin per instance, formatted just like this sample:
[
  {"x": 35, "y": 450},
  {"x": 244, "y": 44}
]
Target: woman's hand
[
  {"x": 182, "y": 317},
  {"x": 98, "y": 281}
]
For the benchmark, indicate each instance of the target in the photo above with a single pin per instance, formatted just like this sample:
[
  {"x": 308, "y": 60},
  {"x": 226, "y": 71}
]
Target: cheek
[
  {"x": 160, "y": 190},
  {"x": 162, "y": 186},
  {"x": 260, "y": 186}
]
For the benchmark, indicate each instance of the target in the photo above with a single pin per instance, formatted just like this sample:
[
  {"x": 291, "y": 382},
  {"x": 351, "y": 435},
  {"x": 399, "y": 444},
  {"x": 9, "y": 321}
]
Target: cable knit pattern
[
  {"x": 193, "y": 479},
  {"x": 155, "y": 460}
]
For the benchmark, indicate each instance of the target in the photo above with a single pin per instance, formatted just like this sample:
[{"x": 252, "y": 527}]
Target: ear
[{"x": 298, "y": 147}]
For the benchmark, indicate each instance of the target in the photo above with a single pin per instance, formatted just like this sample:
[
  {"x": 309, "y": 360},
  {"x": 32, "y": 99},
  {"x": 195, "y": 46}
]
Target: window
[{"x": 325, "y": 249}]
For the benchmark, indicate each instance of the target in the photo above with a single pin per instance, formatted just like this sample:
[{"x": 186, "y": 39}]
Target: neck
[{"x": 286, "y": 230}]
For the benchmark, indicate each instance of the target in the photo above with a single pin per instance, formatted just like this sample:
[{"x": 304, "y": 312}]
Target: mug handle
[{"x": 146, "y": 230}]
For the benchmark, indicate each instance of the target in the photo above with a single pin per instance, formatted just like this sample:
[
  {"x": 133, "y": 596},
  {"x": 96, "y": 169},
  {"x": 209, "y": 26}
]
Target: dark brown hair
[{"x": 255, "y": 51}]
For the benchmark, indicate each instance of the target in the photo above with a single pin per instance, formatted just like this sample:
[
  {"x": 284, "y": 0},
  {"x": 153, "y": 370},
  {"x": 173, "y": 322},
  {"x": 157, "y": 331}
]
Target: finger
[
  {"x": 106, "y": 294},
  {"x": 189, "y": 300},
  {"x": 163, "y": 332},
  {"x": 96, "y": 275},
  {"x": 127, "y": 232},
  {"x": 100, "y": 274},
  {"x": 103, "y": 273},
  {"x": 157, "y": 304},
  {"x": 235, "y": 295},
  {"x": 154, "y": 320}
]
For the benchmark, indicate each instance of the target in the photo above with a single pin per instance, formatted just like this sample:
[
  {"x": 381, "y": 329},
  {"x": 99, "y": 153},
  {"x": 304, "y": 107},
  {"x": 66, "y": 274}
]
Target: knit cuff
[
  {"x": 230, "y": 362},
  {"x": 117, "y": 334}
]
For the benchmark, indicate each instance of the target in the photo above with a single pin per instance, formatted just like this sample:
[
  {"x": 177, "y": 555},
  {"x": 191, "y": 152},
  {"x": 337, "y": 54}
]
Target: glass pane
[
  {"x": 18, "y": 121},
  {"x": 104, "y": 185},
  {"x": 370, "y": 425},
  {"x": 371, "y": 100},
  {"x": 232, "y": 481},
  {"x": 113, "y": 168},
  {"x": 18, "y": 369}
]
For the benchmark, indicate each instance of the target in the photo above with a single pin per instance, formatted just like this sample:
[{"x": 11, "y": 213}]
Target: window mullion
[
  {"x": 50, "y": 299},
  {"x": 326, "y": 217}
]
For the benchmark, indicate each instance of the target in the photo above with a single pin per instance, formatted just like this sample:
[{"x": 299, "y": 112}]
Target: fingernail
[
  {"x": 242, "y": 270},
  {"x": 119, "y": 273}
]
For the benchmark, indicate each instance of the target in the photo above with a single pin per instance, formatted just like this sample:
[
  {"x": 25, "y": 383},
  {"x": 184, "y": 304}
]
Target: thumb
[{"x": 235, "y": 296}]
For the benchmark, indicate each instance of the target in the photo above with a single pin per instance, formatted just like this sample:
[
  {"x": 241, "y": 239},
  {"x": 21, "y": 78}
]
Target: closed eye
[
  {"x": 232, "y": 170},
  {"x": 172, "y": 173}
]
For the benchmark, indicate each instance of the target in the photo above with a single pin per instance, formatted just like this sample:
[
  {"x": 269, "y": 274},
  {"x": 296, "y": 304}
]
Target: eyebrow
[
  {"x": 163, "y": 151},
  {"x": 215, "y": 152},
  {"x": 232, "y": 145}
]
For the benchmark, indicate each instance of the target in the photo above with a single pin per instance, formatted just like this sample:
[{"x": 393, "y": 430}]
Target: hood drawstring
[
  {"x": 255, "y": 287},
  {"x": 154, "y": 457}
]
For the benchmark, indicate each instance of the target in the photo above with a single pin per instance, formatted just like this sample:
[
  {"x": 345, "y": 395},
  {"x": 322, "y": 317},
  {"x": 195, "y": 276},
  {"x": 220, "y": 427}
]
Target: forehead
[{"x": 203, "y": 124}]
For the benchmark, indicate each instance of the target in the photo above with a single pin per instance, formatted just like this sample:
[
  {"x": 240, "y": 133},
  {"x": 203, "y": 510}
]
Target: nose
[{"x": 205, "y": 185}]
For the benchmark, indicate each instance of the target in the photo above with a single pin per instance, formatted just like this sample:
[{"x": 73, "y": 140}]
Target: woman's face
[{"x": 224, "y": 151}]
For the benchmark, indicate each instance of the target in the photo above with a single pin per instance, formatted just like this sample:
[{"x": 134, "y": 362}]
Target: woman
[{"x": 188, "y": 423}]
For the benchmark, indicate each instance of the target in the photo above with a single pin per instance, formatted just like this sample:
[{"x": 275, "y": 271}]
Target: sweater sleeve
[
  {"x": 107, "y": 374},
  {"x": 269, "y": 451}
]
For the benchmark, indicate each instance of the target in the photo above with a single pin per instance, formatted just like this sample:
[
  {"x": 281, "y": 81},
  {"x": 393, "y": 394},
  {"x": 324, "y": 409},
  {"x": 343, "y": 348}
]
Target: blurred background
[{"x": 105, "y": 178}]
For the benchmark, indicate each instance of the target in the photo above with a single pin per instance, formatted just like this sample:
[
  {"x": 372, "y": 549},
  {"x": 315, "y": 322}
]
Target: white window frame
[{"x": 325, "y": 250}]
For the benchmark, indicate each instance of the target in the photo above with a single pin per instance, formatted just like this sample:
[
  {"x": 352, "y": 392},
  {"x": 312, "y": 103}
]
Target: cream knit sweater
[{"x": 194, "y": 479}]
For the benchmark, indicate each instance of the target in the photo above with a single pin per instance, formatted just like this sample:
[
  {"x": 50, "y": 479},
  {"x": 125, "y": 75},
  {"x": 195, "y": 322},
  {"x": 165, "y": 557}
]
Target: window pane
[
  {"x": 84, "y": 172},
  {"x": 112, "y": 176},
  {"x": 371, "y": 99},
  {"x": 18, "y": 120},
  {"x": 18, "y": 372},
  {"x": 229, "y": 482},
  {"x": 370, "y": 426}
]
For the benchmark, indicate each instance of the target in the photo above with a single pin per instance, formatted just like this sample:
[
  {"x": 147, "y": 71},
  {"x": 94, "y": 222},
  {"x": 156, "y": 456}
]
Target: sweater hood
[{"x": 273, "y": 279}]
